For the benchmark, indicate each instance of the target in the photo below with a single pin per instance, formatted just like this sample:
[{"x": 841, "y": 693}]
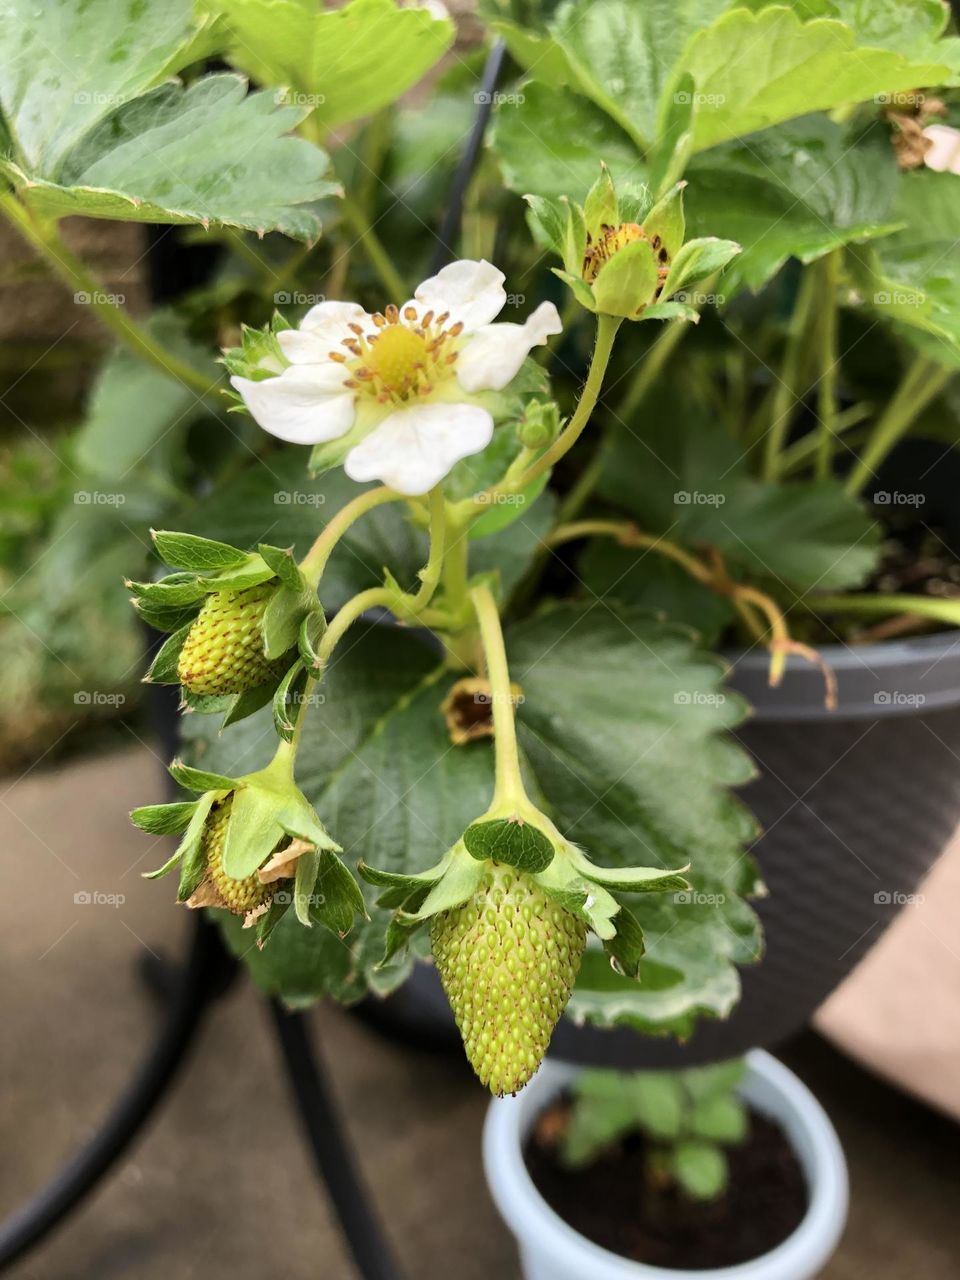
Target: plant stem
[
  {"x": 784, "y": 396},
  {"x": 607, "y": 327},
  {"x": 509, "y": 790},
  {"x": 945, "y": 610},
  {"x": 69, "y": 268},
  {"x": 432, "y": 570},
  {"x": 373, "y": 247},
  {"x": 628, "y": 535},
  {"x": 315, "y": 561},
  {"x": 800, "y": 452},
  {"x": 827, "y": 389},
  {"x": 924, "y": 380}
]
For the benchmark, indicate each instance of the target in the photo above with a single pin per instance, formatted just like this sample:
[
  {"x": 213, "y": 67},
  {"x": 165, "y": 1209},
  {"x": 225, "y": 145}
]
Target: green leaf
[
  {"x": 683, "y": 477},
  {"x": 225, "y": 160},
  {"x": 337, "y": 898},
  {"x": 341, "y": 63},
  {"x": 508, "y": 840},
  {"x": 698, "y": 258},
  {"x": 283, "y": 564},
  {"x": 188, "y": 551},
  {"x": 700, "y": 1168},
  {"x": 163, "y": 819},
  {"x": 719, "y": 1119},
  {"x": 138, "y": 416},
  {"x": 754, "y": 70},
  {"x": 627, "y": 281},
  {"x": 633, "y": 779},
  {"x": 799, "y": 190},
  {"x": 67, "y": 67},
  {"x": 552, "y": 142}
]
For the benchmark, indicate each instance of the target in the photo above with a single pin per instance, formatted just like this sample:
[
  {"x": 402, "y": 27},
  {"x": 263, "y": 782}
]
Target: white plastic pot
[{"x": 552, "y": 1250}]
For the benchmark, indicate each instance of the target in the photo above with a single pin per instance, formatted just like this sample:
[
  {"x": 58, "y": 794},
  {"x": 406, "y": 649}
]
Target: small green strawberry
[
  {"x": 223, "y": 651},
  {"x": 237, "y": 896},
  {"x": 508, "y": 959}
]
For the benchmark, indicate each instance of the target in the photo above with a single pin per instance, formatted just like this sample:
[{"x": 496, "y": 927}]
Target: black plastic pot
[{"x": 856, "y": 805}]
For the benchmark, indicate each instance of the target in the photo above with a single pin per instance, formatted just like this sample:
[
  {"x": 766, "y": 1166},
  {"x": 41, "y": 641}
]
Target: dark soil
[{"x": 611, "y": 1203}]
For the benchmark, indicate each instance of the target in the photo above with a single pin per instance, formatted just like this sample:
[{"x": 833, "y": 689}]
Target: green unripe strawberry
[
  {"x": 223, "y": 651},
  {"x": 238, "y": 896},
  {"x": 508, "y": 959}
]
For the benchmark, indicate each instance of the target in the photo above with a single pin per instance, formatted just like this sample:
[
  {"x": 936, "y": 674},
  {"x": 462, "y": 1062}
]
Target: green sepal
[
  {"x": 575, "y": 240},
  {"x": 458, "y": 883},
  {"x": 167, "y": 867},
  {"x": 337, "y": 899},
  {"x": 290, "y": 687},
  {"x": 173, "y": 592},
  {"x": 189, "y": 551},
  {"x": 626, "y": 947},
  {"x": 666, "y": 220},
  {"x": 400, "y": 933},
  {"x": 591, "y": 902},
  {"x": 163, "y": 669},
  {"x": 403, "y": 891},
  {"x": 627, "y": 282},
  {"x": 199, "y": 779},
  {"x": 164, "y": 819},
  {"x": 253, "y": 831},
  {"x": 630, "y": 879},
  {"x": 206, "y": 704},
  {"x": 578, "y": 286},
  {"x": 271, "y": 918},
  {"x": 698, "y": 258},
  {"x": 251, "y": 572},
  {"x": 601, "y": 207},
  {"x": 671, "y": 311},
  {"x": 510, "y": 840},
  {"x": 547, "y": 219},
  {"x": 311, "y": 632},
  {"x": 308, "y": 864},
  {"x": 281, "y": 561},
  {"x": 282, "y": 618},
  {"x": 298, "y": 818},
  {"x": 245, "y": 704},
  {"x": 164, "y": 617}
]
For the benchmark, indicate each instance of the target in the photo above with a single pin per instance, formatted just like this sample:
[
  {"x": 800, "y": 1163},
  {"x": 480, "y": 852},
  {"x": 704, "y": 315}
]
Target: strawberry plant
[{"x": 441, "y": 565}]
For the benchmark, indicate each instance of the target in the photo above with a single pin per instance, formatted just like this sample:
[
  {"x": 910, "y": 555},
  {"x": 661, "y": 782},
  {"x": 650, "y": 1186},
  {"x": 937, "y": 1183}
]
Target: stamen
[
  {"x": 442, "y": 320},
  {"x": 392, "y": 313},
  {"x": 378, "y": 320},
  {"x": 356, "y": 328},
  {"x": 427, "y": 320},
  {"x": 410, "y": 313},
  {"x": 456, "y": 329},
  {"x": 338, "y": 356}
]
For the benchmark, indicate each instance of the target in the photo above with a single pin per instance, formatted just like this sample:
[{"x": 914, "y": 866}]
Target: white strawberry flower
[
  {"x": 406, "y": 384},
  {"x": 944, "y": 151}
]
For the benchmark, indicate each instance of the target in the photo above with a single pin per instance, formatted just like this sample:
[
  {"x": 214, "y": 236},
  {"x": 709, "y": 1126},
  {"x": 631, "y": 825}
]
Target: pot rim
[
  {"x": 843, "y": 656},
  {"x": 769, "y": 1086}
]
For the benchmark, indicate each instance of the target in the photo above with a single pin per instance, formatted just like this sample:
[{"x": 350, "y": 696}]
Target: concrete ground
[{"x": 219, "y": 1185}]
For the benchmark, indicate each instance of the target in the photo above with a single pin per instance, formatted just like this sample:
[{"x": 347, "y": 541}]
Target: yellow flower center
[{"x": 404, "y": 359}]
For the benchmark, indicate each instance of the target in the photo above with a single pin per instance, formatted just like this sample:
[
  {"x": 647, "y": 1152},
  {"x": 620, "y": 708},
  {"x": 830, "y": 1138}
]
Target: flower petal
[
  {"x": 494, "y": 354},
  {"x": 414, "y": 448},
  {"x": 472, "y": 292},
  {"x": 944, "y": 154},
  {"x": 321, "y": 331},
  {"x": 306, "y": 404}
]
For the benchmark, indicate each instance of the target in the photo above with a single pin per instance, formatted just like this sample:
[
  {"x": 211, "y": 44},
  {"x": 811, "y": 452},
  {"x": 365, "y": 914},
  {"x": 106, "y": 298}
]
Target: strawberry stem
[{"x": 509, "y": 791}]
